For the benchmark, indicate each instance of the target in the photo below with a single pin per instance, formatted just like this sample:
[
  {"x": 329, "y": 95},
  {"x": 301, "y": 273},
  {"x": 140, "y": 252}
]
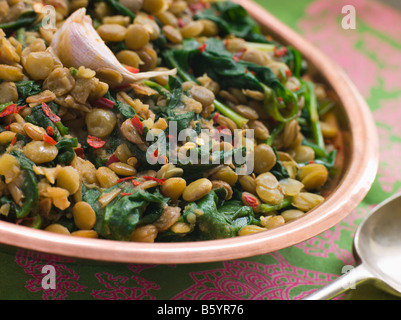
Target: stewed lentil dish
[{"x": 84, "y": 84}]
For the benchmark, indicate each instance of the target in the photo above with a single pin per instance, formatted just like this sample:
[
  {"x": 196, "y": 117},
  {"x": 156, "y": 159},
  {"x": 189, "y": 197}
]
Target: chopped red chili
[
  {"x": 136, "y": 182},
  {"x": 80, "y": 152},
  {"x": 50, "y": 130},
  {"x": 95, "y": 142},
  {"x": 138, "y": 125},
  {"x": 12, "y": 108},
  {"x": 14, "y": 140},
  {"x": 280, "y": 52},
  {"x": 48, "y": 139},
  {"x": 125, "y": 179},
  {"x": 202, "y": 47},
  {"x": 132, "y": 69},
  {"x": 160, "y": 181},
  {"x": 104, "y": 103},
  {"x": 126, "y": 193},
  {"x": 251, "y": 201},
  {"x": 49, "y": 113},
  {"x": 113, "y": 158},
  {"x": 216, "y": 117}
]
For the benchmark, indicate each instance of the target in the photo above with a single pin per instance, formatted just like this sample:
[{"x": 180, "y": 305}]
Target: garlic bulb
[{"x": 78, "y": 44}]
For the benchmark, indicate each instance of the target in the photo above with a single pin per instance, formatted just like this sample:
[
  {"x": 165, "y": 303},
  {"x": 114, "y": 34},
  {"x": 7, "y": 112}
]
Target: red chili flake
[
  {"x": 181, "y": 23},
  {"x": 155, "y": 154},
  {"x": 311, "y": 162},
  {"x": 280, "y": 99},
  {"x": 48, "y": 139},
  {"x": 288, "y": 73},
  {"x": 126, "y": 193},
  {"x": 49, "y": 113},
  {"x": 151, "y": 17},
  {"x": 160, "y": 181},
  {"x": 280, "y": 52},
  {"x": 132, "y": 69},
  {"x": 125, "y": 179},
  {"x": 104, "y": 103},
  {"x": 80, "y": 152},
  {"x": 113, "y": 158},
  {"x": 138, "y": 125},
  {"x": 14, "y": 140},
  {"x": 251, "y": 201},
  {"x": 195, "y": 7},
  {"x": 12, "y": 108},
  {"x": 136, "y": 182},
  {"x": 216, "y": 117},
  {"x": 202, "y": 48},
  {"x": 95, "y": 142},
  {"x": 50, "y": 130},
  {"x": 235, "y": 58}
]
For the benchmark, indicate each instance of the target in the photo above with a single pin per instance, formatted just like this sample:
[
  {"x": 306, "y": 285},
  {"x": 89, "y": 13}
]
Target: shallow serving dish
[{"x": 358, "y": 161}]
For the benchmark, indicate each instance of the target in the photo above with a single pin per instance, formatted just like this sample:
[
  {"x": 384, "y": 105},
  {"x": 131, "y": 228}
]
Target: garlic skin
[{"x": 78, "y": 44}]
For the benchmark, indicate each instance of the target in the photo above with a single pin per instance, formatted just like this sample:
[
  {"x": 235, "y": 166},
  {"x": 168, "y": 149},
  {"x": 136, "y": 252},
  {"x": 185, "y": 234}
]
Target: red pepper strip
[
  {"x": 136, "y": 182},
  {"x": 216, "y": 117},
  {"x": 252, "y": 202},
  {"x": 104, "y": 103},
  {"x": 132, "y": 69},
  {"x": 138, "y": 125},
  {"x": 50, "y": 130},
  {"x": 280, "y": 52},
  {"x": 125, "y": 179},
  {"x": 126, "y": 193},
  {"x": 14, "y": 140},
  {"x": 112, "y": 159},
  {"x": 80, "y": 152},
  {"x": 181, "y": 23},
  {"x": 161, "y": 181},
  {"x": 49, "y": 113},
  {"x": 12, "y": 108},
  {"x": 48, "y": 139},
  {"x": 202, "y": 48},
  {"x": 95, "y": 142}
]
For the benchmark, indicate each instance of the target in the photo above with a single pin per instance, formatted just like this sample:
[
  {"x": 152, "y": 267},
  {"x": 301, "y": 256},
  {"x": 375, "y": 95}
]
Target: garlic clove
[{"x": 77, "y": 44}]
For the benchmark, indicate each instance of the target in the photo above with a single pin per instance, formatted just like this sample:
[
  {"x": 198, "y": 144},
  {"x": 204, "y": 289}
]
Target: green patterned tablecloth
[{"x": 371, "y": 55}]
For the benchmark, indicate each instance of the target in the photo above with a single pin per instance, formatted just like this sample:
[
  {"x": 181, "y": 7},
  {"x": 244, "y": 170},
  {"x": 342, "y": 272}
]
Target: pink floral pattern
[
  {"x": 245, "y": 280},
  {"x": 124, "y": 288},
  {"x": 66, "y": 278}
]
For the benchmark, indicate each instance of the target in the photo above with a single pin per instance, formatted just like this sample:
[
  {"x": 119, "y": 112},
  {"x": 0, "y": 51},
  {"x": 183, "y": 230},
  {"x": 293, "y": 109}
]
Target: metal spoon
[{"x": 377, "y": 245}]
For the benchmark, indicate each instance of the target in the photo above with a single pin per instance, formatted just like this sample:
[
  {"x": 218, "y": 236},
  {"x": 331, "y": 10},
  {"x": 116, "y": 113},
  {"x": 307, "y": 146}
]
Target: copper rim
[{"x": 363, "y": 159}]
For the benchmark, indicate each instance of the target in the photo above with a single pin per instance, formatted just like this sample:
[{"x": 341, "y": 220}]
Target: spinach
[
  {"x": 278, "y": 169},
  {"x": 219, "y": 64},
  {"x": 29, "y": 186},
  {"x": 25, "y": 19},
  {"x": 66, "y": 152},
  {"x": 218, "y": 223},
  {"x": 117, "y": 7},
  {"x": 232, "y": 19},
  {"x": 27, "y": 88},
  {"x": 120, "y": 217},
  {"x": 39, "y": 118}
]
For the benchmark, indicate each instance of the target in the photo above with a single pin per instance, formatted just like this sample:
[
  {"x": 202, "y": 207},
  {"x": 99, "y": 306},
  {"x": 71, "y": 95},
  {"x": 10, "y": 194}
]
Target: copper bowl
[{"x": 358, "y": 162}]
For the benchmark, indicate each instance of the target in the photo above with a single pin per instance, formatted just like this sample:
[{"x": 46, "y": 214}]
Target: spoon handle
[{"x": 341, "y": 284}]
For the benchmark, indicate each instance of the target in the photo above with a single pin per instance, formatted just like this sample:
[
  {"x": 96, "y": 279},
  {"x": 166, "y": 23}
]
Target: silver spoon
[{"x": 377, "y": 245}]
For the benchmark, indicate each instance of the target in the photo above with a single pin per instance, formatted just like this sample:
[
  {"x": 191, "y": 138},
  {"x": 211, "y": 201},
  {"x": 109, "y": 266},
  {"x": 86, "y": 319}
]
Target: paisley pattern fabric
[{"x": 371, "y": 55}]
